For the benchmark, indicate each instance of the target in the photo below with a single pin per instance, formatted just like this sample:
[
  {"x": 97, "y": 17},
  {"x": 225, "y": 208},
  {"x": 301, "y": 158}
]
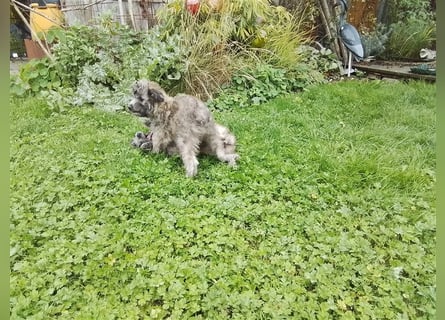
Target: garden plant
[{"x": 96, "y": 65}]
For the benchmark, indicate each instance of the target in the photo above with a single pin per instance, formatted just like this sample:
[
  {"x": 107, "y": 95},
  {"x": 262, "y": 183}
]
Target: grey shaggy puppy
[{"x": 182, "y": 125}]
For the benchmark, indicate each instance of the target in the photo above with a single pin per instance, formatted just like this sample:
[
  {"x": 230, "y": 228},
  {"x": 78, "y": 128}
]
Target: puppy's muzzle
[
  {"x": 132, "y": 105},
  {"x": 137, "y": 108}
]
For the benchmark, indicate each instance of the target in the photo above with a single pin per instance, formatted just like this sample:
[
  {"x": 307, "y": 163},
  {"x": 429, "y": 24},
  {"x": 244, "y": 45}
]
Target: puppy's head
[
  {"x": 140, "y": 108},
  {"x": 146, "y": 94}
]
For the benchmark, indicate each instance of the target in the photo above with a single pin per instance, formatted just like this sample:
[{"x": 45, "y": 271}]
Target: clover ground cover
[{"x": 331, "y": 213}]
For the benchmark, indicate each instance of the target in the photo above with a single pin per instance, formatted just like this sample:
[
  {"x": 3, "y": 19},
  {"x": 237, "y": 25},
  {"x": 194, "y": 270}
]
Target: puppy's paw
[
  {"x": 191, "y": 168},
  {"x": 229, "y": 140},
  {"x": 142, "y": 141},
  {"x": 136, "y": 141},
  {"x": 146, "y": 146},
  {"x": 232, "y": 158},
  {"x": 140, "y": 135}
]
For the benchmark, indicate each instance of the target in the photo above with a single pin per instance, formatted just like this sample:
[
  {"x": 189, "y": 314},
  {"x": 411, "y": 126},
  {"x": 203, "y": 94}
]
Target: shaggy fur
[{"x": 181, "y": 125}]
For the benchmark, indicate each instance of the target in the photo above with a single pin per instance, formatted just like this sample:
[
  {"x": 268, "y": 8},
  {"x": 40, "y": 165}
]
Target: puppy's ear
[
  {"x": 156, "y": 95},
  {"x": 135, "y": 89}
]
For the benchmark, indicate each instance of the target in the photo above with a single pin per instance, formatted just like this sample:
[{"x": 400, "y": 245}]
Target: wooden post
[
  {"x": 121, "y": 12},
  {"x": 329, "y": 23},
  {"x": 130, "y": 9}
]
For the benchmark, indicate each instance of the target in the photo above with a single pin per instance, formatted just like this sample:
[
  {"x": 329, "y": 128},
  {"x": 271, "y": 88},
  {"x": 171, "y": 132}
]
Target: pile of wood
[{"x": 329, "y": 19}]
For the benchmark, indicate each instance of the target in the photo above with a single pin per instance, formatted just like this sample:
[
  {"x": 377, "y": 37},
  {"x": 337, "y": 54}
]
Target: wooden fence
[{"x": 139, "y": 14}]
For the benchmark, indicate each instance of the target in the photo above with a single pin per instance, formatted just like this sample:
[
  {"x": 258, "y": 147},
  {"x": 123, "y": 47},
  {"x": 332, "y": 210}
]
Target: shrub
[
  {"x": 209, "y": 62},
  {"x": 403, "y": 10},
  {"x": 263, "y": 83},
  {"x": 253, "y": 46},
  {"x": 375, "y": 41},
  {"x": 99, "y": 63},
  {"x": 232, "y": 38},
  {"x": 35, "y": 76},
  {"x": 413, "y": 27},
  {"x": 252, "y": 87},
  {"x": 408, "y": 37}
]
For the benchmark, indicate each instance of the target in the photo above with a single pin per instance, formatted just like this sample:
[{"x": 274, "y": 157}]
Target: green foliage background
[
  {"x": 96, "y": 65},
  {"x": 331, "y": 213},
  {"x": 410, "y": 25}
]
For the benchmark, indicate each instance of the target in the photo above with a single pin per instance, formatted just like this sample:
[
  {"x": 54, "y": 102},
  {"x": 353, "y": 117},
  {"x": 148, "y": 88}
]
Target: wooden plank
[{"x": 393, "y": 72}]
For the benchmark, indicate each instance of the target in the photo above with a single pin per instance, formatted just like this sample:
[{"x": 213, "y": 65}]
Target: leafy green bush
[
  {"x": 318, "y": 62},
  {"x": 107, "y": 81},
  {"x": 263, "y": 82},
  {"x": 252, "y": 87},
  {"x": 34, "y": 77},
  {"x": 97, "y": 64},
  {"x": 375, "y": 41},
  {"x": 403, "y": 10},
  {"x": 412, "y": 26},
  {"x": 408, "y": 37},
  {"x": 256, "y": 86}
]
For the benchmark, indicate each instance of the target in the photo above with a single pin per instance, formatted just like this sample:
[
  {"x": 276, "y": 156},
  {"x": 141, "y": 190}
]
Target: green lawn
[{"x": 330, "y": 214}]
